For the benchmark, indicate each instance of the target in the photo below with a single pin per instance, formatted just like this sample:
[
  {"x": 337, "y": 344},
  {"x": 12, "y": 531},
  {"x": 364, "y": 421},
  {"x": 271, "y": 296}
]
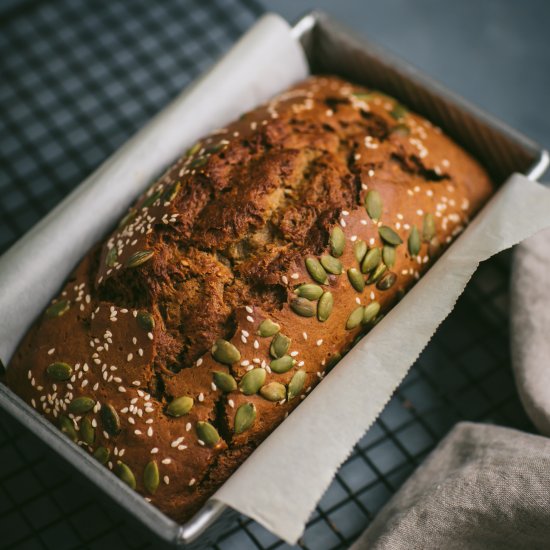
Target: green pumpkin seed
[
  {"x": 398, "y": 111},
  {"x": 363, "y": 96},
  {"x": 244, "y": 418},
  {"x": 124, "y": 473},
  {"x": 428, "y": 227},
  {"x": 296, "y": 385},
  {"x": 180, "y": 406},
  {"x": 356, "y": 279},
  {"x": 434, "y": 248},
  {"x": 81, "y": 405},
  {"x": 337, "y": 241},
  {"x": 58, "y": 309},
  {"x": 389, "y": 236},
  {"x": 59, "y": 371},
  {"x": 388, "y": 255},
  {"x": 331, "y": 264},
  {"x": 87, "y": 432},
  {"x": 127, "y": 218},
  {"x": 207, "y": 434},
  {"x": 140, "y": 257},
  {"x": 371, "y": 260},
  {"x": 371, "y": 311},
  {"x": 316, "y": 270},
  {"x": 67, "y": 427},
  {"x": 324, "y": 306},
  {"x": 373, "y": 204},
  {"x": 151, "y": 477},
  {"x": 359, "y": 249},
  {"x": 302, "y": 307},
  {"x": 376, "y": 274},
  {"x": 279, "y": 345},
  {"x": 414, "y": 242},
  {"x": 171, "y": 193},
  {"x": 214, "y": 148},
  {"x": 355, "y": 318},
  {"x": 225, "y": 352},
  {"x": 387, "y": 281},
  {"x": 111, "y": 257},
  {"x": 268, "y": 328},
  {"x": 224, "y": 381},
  {"x": 151, "y": 199},
  {"x": 282, "y": 365},
  {"x": 309, "y": 291},
  {"x": 252, "y": 381},
  {"x": 110, "y": 419},
  {"x": 400, "y": 130},
  {"x": 194, "y": 149},
  {"x": 101, "y": 454},
  {"x": 198, "y": 162},
  {"x": 146, "y": 321},
  {"x": 274, "y": 391}
]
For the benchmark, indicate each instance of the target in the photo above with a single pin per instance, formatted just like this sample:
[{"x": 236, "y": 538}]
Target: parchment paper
[{"x": 285, "y": 477}]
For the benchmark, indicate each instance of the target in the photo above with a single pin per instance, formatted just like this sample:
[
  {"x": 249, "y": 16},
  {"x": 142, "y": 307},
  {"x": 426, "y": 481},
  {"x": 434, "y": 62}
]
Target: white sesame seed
[
  {"x": 319, "y": 342},
  {"x": 167, "y": 479},
  {"x": 231, "y": 403},
  {"x": 256, "y": 344},
  {"x": 150, "y": 335},
  {"x": 248, "y": 309},
  {"x": 51, "y": 351},
  {"x": 244, "y": 363},
  {"x": 295, "y": 276},
  {"x": 201, "y": 397},
  {"x": 150, "y": 431},
  {"x": 193, "y": 480},
  {"x": 294, "y": 353},
  {"x": 188, "y": 427},
  {"x": 137, "y": 432},
  {"x": 166, "y": 460},
  {"x": 284, "y": 278},
  {"x": 250, "y": 319},
  {"x": 182, "y": 447}
]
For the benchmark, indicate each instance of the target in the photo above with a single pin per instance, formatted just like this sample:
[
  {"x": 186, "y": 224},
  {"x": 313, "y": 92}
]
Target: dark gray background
[{"x": 495, "y": 53}]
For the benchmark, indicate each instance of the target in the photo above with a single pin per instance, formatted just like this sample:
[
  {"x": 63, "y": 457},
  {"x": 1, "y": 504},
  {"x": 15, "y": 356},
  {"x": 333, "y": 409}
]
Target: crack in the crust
[{"x": 411, "y": 164}]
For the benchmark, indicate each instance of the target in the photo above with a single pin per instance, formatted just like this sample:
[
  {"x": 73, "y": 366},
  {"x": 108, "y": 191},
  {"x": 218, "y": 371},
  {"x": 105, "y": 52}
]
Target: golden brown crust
[{"x": 216, "y": 246}]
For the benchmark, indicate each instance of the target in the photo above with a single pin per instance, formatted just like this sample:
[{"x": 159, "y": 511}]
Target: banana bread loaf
[{"x": 239, "y": 279}]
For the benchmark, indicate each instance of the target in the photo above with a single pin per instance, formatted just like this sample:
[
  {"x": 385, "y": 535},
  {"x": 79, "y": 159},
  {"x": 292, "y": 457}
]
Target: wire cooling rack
[{"x": 77, "y": 78}]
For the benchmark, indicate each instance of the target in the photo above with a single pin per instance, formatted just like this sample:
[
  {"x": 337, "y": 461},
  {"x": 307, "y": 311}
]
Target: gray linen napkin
[
  {"x": 484, "y": 487},
  {"x": 530, "y": 323}
]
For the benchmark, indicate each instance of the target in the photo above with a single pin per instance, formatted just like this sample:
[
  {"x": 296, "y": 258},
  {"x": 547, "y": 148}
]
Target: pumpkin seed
[
  {"x": 309, "y": 291},
  {"x": 146, "y": 321},
  {"x": 110, "y": 419},
  {"x": 279, "y": 345},
  {"x": 360, "y": 249},
  {"x": 151, "y": 199},
  {"x": 388, "y": 255},
  {"x": 170, "y": 194},
  {"x": 376, "y": 274},
  {"x": 67, "y": 427},
  {"x": 373, "y": 204},
  {"x": 151, "y": 477},
  {"x": 58, "y": 309},
  {"x": 428, "y": 227},
  {"x": 102, "y": 454},
  {"x": 274, "y": 391},
  {"x": 81, "y": 405},
  {"x": 371, "y": 311},
  {"x": 224, "y": 381},
  {"x": 414, "y": 242},
  {"x": 59, "y": 371},
  {"x": 198, "y": 162},
  {"x": 387, "y": 281},
  {"x": 87, "y": 432},
  {"x": 111, "y": 257},
  {"x": 331, "y": 264},
  {"x": 434, "y": 248},
  {"x": 355, "y": 318},
  {"x": 389, "y": 236},
  {"x": 400, "y": 130},
  {"x": 316, "y": 270},
  {"x": 268, "y": 328},
  {"x": 127, "y": 218},
  {"x": 371, "y": 260},
  {"x": 180, "y": 406},
  {"x": 282, "y": 365},
  {"x": 139, "y": 258},
  {"x": 252, "y": 381},
  {"x": 124, "y": 473},
  {"x": 244, "y": 418},
  {"x": 214, "y": 148},
  {"x": 363, "y": 96},
  {"x": 194, "y": 149},
  {"x": 207, "y": 434},
  {"x": 302, "y": 307},
  {"x": 398, "y": 111},
  {"x": 296, "y": 385},
  {"x": 356, "y": 279},
  {"x": 337, "y": 241},
  {"x": 324, "y": 306},
  {"x": 225, "y": 352}
]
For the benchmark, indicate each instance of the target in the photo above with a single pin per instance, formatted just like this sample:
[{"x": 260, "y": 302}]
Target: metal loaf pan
[{"x": 330, "y": 49}]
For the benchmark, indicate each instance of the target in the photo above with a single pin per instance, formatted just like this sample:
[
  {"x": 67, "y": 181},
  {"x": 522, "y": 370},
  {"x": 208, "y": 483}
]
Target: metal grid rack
[{"x": 76, "y": 80}]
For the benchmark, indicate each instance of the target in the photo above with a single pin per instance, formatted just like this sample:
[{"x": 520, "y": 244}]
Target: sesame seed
[
  {"x": 182, "y": 447},
  {"x": 294, "y": 353},
  {"x": 231, "y": 403},
  {"x": 201, "y": 397},
  {"x": 213, "y": 386},
  {"x": 199, "y": 362},
  {"x": 244, "y": 363},
  {"x": 150, "y": 335},
  {"x": 301, "y": 363},
  {"x": 319, "y": 342},
  {"x": 353, "y": 238},
  {"x": 304, "y": 334},
  {"x": 137, "y": 432},
  {"x": 295, "y": 276},
  {"x": 130, "y": 357},
  {"x": 167, "y": 479},
  {"x": 150, "y": 431},
  {"x": 166, "y": 460},
  {"x": 284, "y": 278},
  {"x": 122, "y": 389},
  {"x": 250, "y": 319},
  {"x": 193, "y": 480},
  {"x": 256, "y": 344},
  {"x": 188, "y": 427},
  {"x": 248, "y": 309},
  {"x": 51, "y": 351},
  {"x": 131, "y": 420}
]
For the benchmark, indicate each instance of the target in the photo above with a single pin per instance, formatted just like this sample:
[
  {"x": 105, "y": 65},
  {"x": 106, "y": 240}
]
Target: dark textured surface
[{"x": 67, "y": 105}]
